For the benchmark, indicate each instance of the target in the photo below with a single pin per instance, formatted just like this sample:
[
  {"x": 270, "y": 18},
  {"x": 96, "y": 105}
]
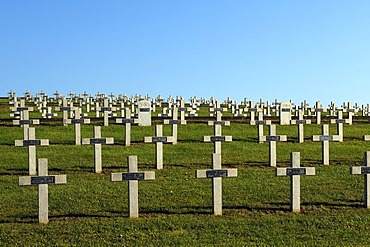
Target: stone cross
[
  {"x": 252, "y": 109},
  {"x": 325, "y": 138},
  {"x": 216, "y": 174},
  {"x": 218, "y": 138},
  {"x": 42, "y": 181},
  {"x": 365, "y": 170},
  {"x": 285, "y": 113},
  {"x": 127, "y": 122},
  {"x": 351, "y": 112},
  {"x": 295, "y": 172},
  {"x": 340, "y": 121},
  {"x": 216, "y": 109},
  {"x": 133, "y": 177},
  {"x": 319, "y": 110},
  {"x": 97, "y": 141},
  {"x": 260, "y": 123},
  {"x": 31, "y": 143},
  {"x": 272, "y": 138},
  {"x": 159, "y": 140},
  {"x": 174, "y": 122},
  {"x": 25, "y": 121},
  {"x": 182, "y": 109},
  {"x": 144, "y": 116},
  {"x": 65, "y": 109},
  {"x": 77, "y": 121},
  {"x": 107, "y": 110},
  {"x": 300, "y": 123}
]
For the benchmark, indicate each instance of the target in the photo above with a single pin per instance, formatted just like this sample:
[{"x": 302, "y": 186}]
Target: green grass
[{"x": 176, "y": 208}]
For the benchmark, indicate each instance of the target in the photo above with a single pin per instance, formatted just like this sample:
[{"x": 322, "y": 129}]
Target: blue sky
[{"x": 304, "y": 49}]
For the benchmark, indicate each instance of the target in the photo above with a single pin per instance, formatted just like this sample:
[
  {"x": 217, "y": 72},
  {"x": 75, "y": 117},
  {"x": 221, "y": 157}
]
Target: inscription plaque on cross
[
  {"x": 159, "y": 140},
  {"x": 325, "y": 138},
  {"x": 218, "y": 138},
  {"x": 77, "y": 121},
  {"x": 42, "y": 181},
  {"x": 31, "y": 142},
  {"x": 319, "y": 109},
  {"x": 97, "y": 141},
  {"x": 216, "y": 174},
  {"x": 272, "y": 138},
  {"x": 216, "y": 109},
  {"x": 132, "y": 177},
  {"x": 300, "y": 122},
  {"x": 295, "y": 171}
]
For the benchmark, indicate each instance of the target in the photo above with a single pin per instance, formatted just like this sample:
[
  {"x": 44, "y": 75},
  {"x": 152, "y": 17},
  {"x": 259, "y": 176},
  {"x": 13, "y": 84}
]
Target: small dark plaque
[
  {"x": 126, "y": 120},
  {"x": 319, "y": 110},
  {"x": 65, "y": 108},
  {"x": 172, "y": 121},
  {"x": 340, "y": 121},
  {"x": 106, "y": 109},
  {"x": 22, "y": 122},
  {"x": 182, "y": 109},
  {"x": 365, "y": 170},
  {"x": 285, "y": 109},
  {"x": 98, "y": 141},
  {"x": 351, "y": 110},
  {"x": 44, "y": 108},
  {"x": 252, "y": 109},
  {"x": 77, "y": 121},
  {"x": 260, "y": 122},
  {"x": 218, "y": 138},
  {"x": 216, "y": 173},
  {"x": 301, "y": 121},
  {"x": 295, "y": 171},
  {"x": 219, "y": 123},
  {"x": 272, "y": 138},
  {"x": 217, "y": 109},
  {"x": 326, "y": 138},
  {"x": 159, "y": 139},
  {"x": 144, "y": 110},
  {"x": 133, "y": 176},
  {"x": 22, "y": 108},
  {"x": 27, "y": 143},
  {"x": 43, "y": 180}
]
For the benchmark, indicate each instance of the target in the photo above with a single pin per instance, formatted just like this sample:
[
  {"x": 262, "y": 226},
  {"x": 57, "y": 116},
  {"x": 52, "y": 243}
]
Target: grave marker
[
  {"x": 218, "y": 138},
  {"x": 107, "y": 110},
  {"x": 77, "y": 121},
  {"x": 42, "y": 181},
  {"x": 65, "y": 109},
  {"x": 97, "y": 141},
  {"x": 340, "y": 121},
  {"x": 144, "y": 115},
  {"x": 127, "y": 122},
  {"x": 174, "y": 122},
  {"x": 325, "y": 138},
  {"x": 295, "y": 172},
  {"x": 260, "y": 123},
  {"x": 300, "y": 123},
  {"x": 272, "y": 138},
  {"x": 364, "y": 170},
  {"x": 31, "y": 142},
  {"x": 285, "y": 113},
  {"x": 159, "y": 140},
  {"x": 216, "y": 174},
  {"x": 318, "y": 109},
  {"x": 133, "y": 177}
]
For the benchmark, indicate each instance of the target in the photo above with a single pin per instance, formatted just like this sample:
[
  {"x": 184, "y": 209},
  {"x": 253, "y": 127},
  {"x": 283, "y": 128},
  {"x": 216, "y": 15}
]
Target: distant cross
[
  {"x": 300, "y": 123},
  {"x": 127, "y": 121},
  {"x": 174, "y": 122},
  {"x": 107, "y": 110},
  {"x": 340, "y": 121},
  {"x": 159, "y": 140},
  {"x": 31, "y": 142},
  {"x": 97, "y": 141},
  {"x": 218, "y": 138},
  {"x": 272, "y": 138},
  {"x": 77, "y": 121},
  {"x": 325, "y": 138},
  {"x": 260, "y": 123}
]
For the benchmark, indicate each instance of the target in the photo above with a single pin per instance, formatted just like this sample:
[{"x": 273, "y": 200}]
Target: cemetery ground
[{"x": 176, "y": 208}]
